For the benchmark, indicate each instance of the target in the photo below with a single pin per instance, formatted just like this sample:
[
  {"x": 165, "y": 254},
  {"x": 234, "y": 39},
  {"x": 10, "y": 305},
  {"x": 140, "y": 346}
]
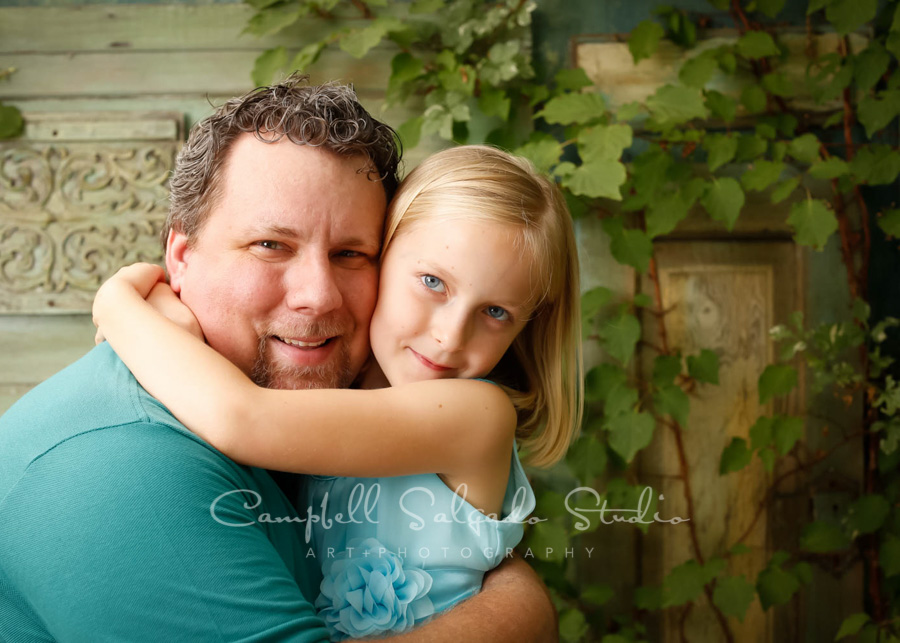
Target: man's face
[{"x": 283, "y": 274}]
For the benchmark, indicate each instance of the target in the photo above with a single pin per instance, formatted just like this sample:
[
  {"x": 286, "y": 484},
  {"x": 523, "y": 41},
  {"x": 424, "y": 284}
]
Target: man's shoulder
[{"x": 95, "y": 394}]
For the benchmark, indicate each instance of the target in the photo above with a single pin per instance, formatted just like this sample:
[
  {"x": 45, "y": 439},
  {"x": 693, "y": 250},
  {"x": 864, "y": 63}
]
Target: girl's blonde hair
[{"x": 542, "y": 371}]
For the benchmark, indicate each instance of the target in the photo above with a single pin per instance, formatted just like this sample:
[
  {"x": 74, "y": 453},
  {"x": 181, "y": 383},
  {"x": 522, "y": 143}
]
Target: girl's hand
[
  {"x": 148, "y": 281},
  {"x": 167, "y": 303}
]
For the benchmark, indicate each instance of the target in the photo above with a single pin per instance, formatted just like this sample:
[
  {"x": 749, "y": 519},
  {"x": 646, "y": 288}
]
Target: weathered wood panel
[{"x": 723, "y": 297}]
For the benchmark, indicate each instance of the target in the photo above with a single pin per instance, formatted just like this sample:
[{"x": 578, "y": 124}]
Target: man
[{"x": 116, "y": 523}]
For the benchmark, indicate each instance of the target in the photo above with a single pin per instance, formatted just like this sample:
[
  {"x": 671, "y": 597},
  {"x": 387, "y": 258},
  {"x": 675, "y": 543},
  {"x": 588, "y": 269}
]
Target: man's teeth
[{"x": 298, "y": 343}]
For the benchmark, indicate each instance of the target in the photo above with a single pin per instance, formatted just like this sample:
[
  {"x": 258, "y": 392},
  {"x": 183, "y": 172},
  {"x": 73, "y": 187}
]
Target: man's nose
[
  {"x": 450, "y": 328},
  {"x": 311, "y": 285}
]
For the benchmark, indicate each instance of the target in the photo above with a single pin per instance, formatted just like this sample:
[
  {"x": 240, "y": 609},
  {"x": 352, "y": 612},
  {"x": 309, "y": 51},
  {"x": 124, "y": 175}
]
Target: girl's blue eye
[
  {"x": 495, "y": 312},
  {"x": 433, "y": 283}
]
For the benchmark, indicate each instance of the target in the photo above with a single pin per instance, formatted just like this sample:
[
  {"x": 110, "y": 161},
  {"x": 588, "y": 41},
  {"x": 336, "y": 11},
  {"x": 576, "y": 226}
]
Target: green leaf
[
  {"x": 721, "y": 106},
  {"x": 359, "y": 42},
  {"x": 867, "y": 514},
  {"x": 267, "y": 64},
  {"x": 438, "y": 120},
  {"x": 704, "y": 367},
  {"x": 775, "y": 586},
  {"x": 785, "y": 189},
  {"x": 604, "y": 142},
  {"x": 721, "y": 148},
  {"x": 630, "y": 247},
  {"x": 889, "y": 555},
  {"x": 405, "y": 67},
  {"x": 767, "y": 456},
  {"x": 850, "y": 15},
  {"x": 816, "y": 5},
  {"x": 664, "y": 213},
  {"x": 648, "y": 598},
  {"x": 11, "y": 122},
  {"x": 733, "y": 595},
  {"x": 697, "y": 71},
  {"x": 740, "y": 549},
  {"x": 602, "y": 379},
  {"x": 770, "y": 7},
  {"x": 622, "y": 399},
  {"x": 813, "y": 223},
  {"x": 870, "y": 65},
  {"x": 753, "y": 98},
  {"x": 724, "y": 200},
  {"x": 889, "y": 222},
  {"x": 593, "y": 301},
  {"x": 272, "y": 20},
  {"x": 665, "y": 369},
  {"x": 548, "y": 541},
  {"x": 572, "y": 626},
  {"x": 823, "y": 537},
  {"x": 672, "y": 105},
  {"x": 629, "y": 111},
  {"x": 761, "y": 433},
  {"x": 762, "y": 174},
  {"x": 587, "y": 459},
  {"x": 573, "y": 108},
  {"x": 686, "y": 581},
  {"x": 598, "y": 178},
  {"x": 750, "y": 147},
  {"x": 642, "y": 300},
  {"x": 598, "y": 594},
  {"x": 779, "y": 84},
  {"x": 630, "y": 432},
  {"x": 621, "y": 335},
  {"x": 805, "y": 148},
  {"x": 756, "y": 44},
  {"x": 572, "y": 79},
  {"x": 411, "y": 131},
  {"x": 735, "y": 456},
  {"x": 852, "y": 625},
  {"x": 494, "y": 102},
  {"x": 644, "y": 40},
  {"x": 830, "y": 168},
  {"x": 543, "y": 150},
  {"x": 876, "y": 164},
  {"x": 876, "y": 113},
  {"x": 673, "y": 401},
  {"x": 786, "y": 431},
  {"x": 777, "y": 379}
]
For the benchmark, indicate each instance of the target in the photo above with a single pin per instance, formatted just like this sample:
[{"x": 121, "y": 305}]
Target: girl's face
[{"x": 453, "y": 296}]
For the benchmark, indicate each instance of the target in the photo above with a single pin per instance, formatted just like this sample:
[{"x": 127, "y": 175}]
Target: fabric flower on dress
[{"x": 371, "y": 593}]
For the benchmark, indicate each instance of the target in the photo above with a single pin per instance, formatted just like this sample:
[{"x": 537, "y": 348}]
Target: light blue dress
[{"x": 395, "y": 551}]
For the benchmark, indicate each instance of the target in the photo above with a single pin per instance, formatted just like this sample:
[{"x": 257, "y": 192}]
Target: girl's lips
[{"x": 428, "y": 363}]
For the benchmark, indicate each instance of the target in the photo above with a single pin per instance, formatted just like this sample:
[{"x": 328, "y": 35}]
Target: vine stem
[
  {"x": 761, "y": 507},
  {"x": 363, "y": 8},
  {"x": 870, "y": 442},
  {"x": 684, "y": 466}
]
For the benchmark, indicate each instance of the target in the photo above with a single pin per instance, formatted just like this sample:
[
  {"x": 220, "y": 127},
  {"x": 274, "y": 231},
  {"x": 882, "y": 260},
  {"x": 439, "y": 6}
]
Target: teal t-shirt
[{"x": 117, "y": 523}]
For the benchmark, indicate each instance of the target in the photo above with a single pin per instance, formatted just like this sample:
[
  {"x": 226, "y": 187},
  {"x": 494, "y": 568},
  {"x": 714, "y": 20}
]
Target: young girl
[{"x": 479, "y": 279}]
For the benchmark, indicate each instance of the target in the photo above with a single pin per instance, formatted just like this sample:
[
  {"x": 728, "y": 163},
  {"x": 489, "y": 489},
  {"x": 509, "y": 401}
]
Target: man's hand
[{"x": 513, "y": 606}]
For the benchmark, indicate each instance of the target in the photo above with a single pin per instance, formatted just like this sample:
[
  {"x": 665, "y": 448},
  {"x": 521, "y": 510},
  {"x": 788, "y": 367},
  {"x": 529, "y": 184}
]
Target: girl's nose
[{"x": 450, "y": 330}]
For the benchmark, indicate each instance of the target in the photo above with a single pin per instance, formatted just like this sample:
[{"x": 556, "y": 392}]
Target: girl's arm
[{"x": 445, "y": 426}]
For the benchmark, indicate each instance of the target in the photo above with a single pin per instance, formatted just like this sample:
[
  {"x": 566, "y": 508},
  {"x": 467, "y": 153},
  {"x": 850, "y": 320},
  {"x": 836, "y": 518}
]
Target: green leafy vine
[{"x": 810, "y": 146}]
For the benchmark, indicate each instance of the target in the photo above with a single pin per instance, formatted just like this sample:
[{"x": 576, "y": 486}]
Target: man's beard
[{"x": 337, "y": 373}]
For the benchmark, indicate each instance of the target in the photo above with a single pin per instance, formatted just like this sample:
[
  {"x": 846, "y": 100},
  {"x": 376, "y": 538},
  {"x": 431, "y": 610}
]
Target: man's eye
[
  {"x": 349, "y": 253},
  {"x": 495, "y": 312},
  {"x": 269, "y": 245},
  {"x": 433, "y": 283}
]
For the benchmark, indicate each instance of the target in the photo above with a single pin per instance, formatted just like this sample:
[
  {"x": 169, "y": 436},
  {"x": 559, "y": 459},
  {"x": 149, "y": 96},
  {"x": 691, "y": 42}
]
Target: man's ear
[{"x": 177, "y": 254}]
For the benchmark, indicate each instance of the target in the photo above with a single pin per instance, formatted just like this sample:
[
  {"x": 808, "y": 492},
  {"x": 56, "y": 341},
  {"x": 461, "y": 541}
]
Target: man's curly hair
[{"x": 327, "y": 116}]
